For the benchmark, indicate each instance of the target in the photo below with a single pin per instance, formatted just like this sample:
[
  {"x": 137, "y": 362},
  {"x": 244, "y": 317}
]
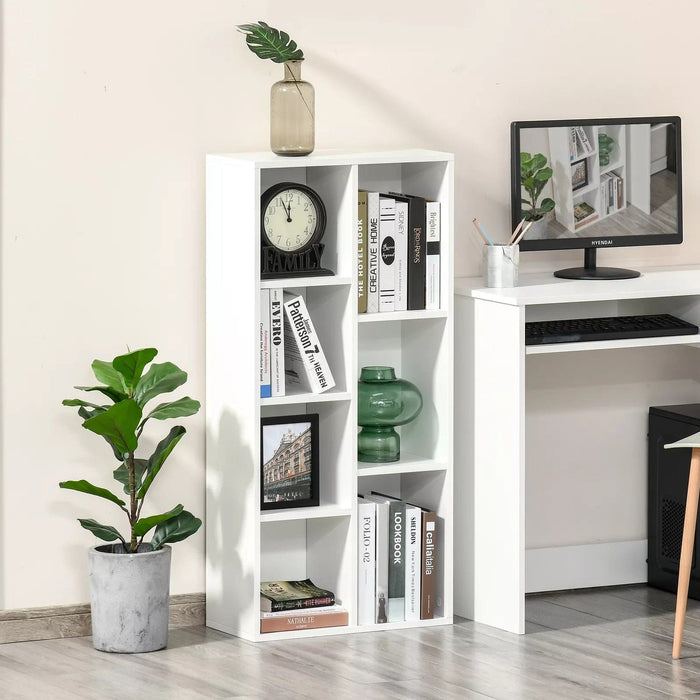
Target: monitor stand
[{"x": 590, "y": 272}]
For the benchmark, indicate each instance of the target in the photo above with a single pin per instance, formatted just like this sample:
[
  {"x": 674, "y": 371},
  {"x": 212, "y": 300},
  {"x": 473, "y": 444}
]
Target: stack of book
[
  {"x": 291, "y": 357},
  {"x": 398, "y": 553},
  {"x": 584, "y": 214},
  {"x": 298, "y": 605},
  {"x": 611, "y": 193},
  {"x": 398, "y": 253}
]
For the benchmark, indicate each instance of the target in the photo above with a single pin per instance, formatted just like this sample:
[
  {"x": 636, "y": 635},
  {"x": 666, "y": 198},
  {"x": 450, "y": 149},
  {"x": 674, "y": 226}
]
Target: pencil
[
  {"x": 522, "y": 233},
  {"x": 481, "y": 231},
  {"x": 516, "y": 232}
]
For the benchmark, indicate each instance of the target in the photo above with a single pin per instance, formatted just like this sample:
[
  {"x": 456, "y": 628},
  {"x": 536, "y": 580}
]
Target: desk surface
[{"x": 544, "y": 288}]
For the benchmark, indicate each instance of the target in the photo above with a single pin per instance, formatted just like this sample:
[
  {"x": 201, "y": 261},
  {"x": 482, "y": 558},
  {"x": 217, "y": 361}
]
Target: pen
[
  {"x": 481, "y": 231},
  {"x": 516, "y": 232},
  {"x": 522, "y": 233}
]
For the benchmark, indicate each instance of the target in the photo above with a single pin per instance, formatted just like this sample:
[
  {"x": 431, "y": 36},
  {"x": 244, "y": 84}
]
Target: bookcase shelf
[{"x": 244, "y": 545}]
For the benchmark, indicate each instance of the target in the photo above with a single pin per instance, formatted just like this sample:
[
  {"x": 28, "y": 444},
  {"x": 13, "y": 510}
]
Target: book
[
  {"x": 361, "y": 252},
  {"x": 412, "y": 548},
  {"x": 432, "y": 257},
  {"x": 381, "y": 578},
  {"x": 428, "y": 563},
  {"x": 387, "y": 252},
  {"x": 397, "y": 558},
  {"x": 401, "y": 263},
  {"x": 366, "y": 574},
  {"x": 304, "y": 360},
  {"x": 264, "y": 342},
  {"x": 305, "y": 619},
  {"x": 583, "y": 211},
  {"x": 573, "y": 146},
  {"x": 317, "y": 611},
  {"x": 416, "y": 252},
  {"x": 586, "y": 146},
  {"x": 276, "y": 342},
  {"x": 372, "y": 252},
  {"x": 586, "y": 222},
  {"x": 293, "y": 595}
]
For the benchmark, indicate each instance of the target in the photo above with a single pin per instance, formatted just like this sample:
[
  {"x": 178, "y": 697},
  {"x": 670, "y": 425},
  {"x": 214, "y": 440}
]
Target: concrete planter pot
[{"x": 129, "y": 596}]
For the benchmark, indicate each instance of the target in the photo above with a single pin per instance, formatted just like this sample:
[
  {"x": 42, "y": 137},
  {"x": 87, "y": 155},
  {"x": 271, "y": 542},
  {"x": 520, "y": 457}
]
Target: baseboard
[
  {"x": 585, "y": 566},
  {"x": 33, "y": 624}
]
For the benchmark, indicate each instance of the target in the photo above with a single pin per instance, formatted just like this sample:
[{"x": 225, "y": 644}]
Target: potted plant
[
  {"x": 130, "y": 580},
  {"x": 534, "y": 175}
]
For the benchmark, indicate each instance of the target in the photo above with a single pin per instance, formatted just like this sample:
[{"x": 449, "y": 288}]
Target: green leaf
[
  {"x": 160, "y": 379},
  {"x": 80, "y": 402},
  {"x": 538, "y": 161},
  {"x": 175, "y": 529},
  {"x": 525, "y": 158},
  {"x": 175, "y": 409},
  {"x": 267, "y": 42},
  {"x": 143, "y": 525},
  {"x": 131, "y": 366},
  {"x": 113, "y": 394},
  {"x": 121, "y": 474},
  {"x": 87, "y": 487},
  {"x": 155, "y": 461},
  {"x": 118, "y": 423},
  {"x": 544, "y": 174},
  {"x": 105, "y": 373},
  {"x": 104, "y": 532},
  {"x": 547, "y": 205},
  {"x": 529, "y": 183}
]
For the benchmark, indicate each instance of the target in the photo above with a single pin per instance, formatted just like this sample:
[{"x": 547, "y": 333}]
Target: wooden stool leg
[{"x": 691, "y": 516}]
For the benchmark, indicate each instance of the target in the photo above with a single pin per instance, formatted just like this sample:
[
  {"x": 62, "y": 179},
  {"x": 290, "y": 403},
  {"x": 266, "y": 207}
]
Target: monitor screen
[{"x": 597, "y": 183}]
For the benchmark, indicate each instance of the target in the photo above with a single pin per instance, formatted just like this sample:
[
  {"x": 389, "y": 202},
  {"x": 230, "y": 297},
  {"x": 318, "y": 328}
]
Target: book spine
[
  {"x": 276, "y": 343},
  {"x": 303, "y": 621},
  {"x": 401, "y": 263},
  {"x": 416, "y": 253},
  {"x": 367, "y": 562},
  {"x": 264, "y": 338},
  {"x": 432, "y": 258},
  {"x": 412, "y": 549},
  {"x": 280, "y": 605},
  {"x": 620, "y": 193},
  {"x": 583, "y": 138},
  {"x": 428, "y": 563},
  {"x": 387, "y": 252},
  {"x": 317, "y": 611},
  {"x": 362, "y": 252},
  {"x": 372, "y": 252},
  {"x": 397, "y": 562},
  {"x": 573, "y": 148},
  {"x": 309, "y": 351},
  {"x": 382, "y": 565}
]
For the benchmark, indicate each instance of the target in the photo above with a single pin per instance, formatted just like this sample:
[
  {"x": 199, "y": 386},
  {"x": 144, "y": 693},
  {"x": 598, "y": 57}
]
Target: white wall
[{"x": 107, "y": 111}]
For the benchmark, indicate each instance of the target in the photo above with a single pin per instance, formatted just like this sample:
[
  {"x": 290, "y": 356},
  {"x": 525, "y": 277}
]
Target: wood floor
[{"x": 609, "y": 643}]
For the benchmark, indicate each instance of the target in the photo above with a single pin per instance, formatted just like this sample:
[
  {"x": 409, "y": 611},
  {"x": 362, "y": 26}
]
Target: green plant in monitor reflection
[{"x": 534, "y": 175}]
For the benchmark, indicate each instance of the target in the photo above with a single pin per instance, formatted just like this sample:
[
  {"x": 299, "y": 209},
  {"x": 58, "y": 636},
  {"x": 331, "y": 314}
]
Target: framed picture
[
  {"x": 289, "y": 459},
  {"x": 579, "y": 174}
]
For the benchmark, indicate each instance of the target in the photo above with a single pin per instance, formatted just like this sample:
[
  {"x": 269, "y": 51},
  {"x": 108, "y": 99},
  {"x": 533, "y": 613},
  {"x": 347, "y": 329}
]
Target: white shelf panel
[
  {"x": 692, "y": 340},
  {"x": 328, "y": 511},
  {"x": 407, "y": 464},
  {"x": 400, "y": 316},
  {"x": 290, "y": 399},
  {"x": 289, "y": 282}
]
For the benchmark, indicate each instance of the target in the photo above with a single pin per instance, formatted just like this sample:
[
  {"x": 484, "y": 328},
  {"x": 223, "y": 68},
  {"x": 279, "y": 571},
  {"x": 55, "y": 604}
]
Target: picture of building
[{"x": 287, "y": 463}]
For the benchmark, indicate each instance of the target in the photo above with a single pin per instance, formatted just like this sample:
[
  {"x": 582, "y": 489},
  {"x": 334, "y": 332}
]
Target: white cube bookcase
[{"x": 244, "y": 545}]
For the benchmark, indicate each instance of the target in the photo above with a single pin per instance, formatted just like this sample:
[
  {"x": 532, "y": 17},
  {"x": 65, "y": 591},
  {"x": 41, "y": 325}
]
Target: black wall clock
[{"x": 292, "y": 224}]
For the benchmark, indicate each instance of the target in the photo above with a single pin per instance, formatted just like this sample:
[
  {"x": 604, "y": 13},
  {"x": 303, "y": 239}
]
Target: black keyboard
[{"x": 611, "y": 328}]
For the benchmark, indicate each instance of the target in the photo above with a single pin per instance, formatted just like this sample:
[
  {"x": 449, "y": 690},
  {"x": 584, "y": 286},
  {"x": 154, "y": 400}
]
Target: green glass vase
[{"x": 383, "y": 403}]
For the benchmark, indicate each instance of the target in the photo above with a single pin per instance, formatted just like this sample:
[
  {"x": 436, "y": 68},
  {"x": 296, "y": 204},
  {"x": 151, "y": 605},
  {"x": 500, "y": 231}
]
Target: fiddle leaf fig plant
[
  {"x": 267, "y": 42},
  {"x": 534, "y": 175},
  {"x": 121, "y": 424}
]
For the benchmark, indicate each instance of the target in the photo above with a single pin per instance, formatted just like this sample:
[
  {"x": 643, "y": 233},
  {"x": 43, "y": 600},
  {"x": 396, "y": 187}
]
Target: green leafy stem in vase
[
  {"x": 534, "y": 175},
  {"x": 267, "y": 42},
  {"x": 121, "y": 424}
]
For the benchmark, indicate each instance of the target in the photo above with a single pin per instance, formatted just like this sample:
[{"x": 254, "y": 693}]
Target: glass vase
[
  {"x": 292, "y": 113},
  {"x": 383, "y": 403}
]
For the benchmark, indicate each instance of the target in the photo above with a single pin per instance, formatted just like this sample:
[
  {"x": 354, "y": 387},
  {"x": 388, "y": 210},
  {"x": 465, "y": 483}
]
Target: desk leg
[
  {"x": 691, "y": 516},
  {"x": 499, "y": 465}
]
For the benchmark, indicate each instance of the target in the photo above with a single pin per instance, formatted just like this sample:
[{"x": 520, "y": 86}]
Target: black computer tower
[{"x": 668, "y": 486}]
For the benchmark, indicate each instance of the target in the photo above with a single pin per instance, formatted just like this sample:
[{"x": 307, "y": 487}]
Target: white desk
[{"x": 490, "y": 356}]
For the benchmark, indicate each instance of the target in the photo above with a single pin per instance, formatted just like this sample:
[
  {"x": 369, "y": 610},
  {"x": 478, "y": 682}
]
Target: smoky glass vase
[
  {"x": 292, "y": 113},
  {"x": 383, "y": 403}
]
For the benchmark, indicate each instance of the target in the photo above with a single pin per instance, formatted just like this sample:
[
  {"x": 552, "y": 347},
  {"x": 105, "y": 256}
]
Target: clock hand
[{"x": 288, "y": 210}]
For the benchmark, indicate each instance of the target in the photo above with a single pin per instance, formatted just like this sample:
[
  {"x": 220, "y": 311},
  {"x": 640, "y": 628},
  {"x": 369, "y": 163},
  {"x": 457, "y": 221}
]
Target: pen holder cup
[{"x": 501, "y": 265}]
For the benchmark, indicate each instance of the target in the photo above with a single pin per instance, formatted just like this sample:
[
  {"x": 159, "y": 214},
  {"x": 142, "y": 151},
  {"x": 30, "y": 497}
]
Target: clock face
[{"x": 290, "y": 219}]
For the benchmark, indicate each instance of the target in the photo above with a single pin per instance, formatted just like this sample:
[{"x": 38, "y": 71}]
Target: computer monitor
[{"x": 597, "y": 183}]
